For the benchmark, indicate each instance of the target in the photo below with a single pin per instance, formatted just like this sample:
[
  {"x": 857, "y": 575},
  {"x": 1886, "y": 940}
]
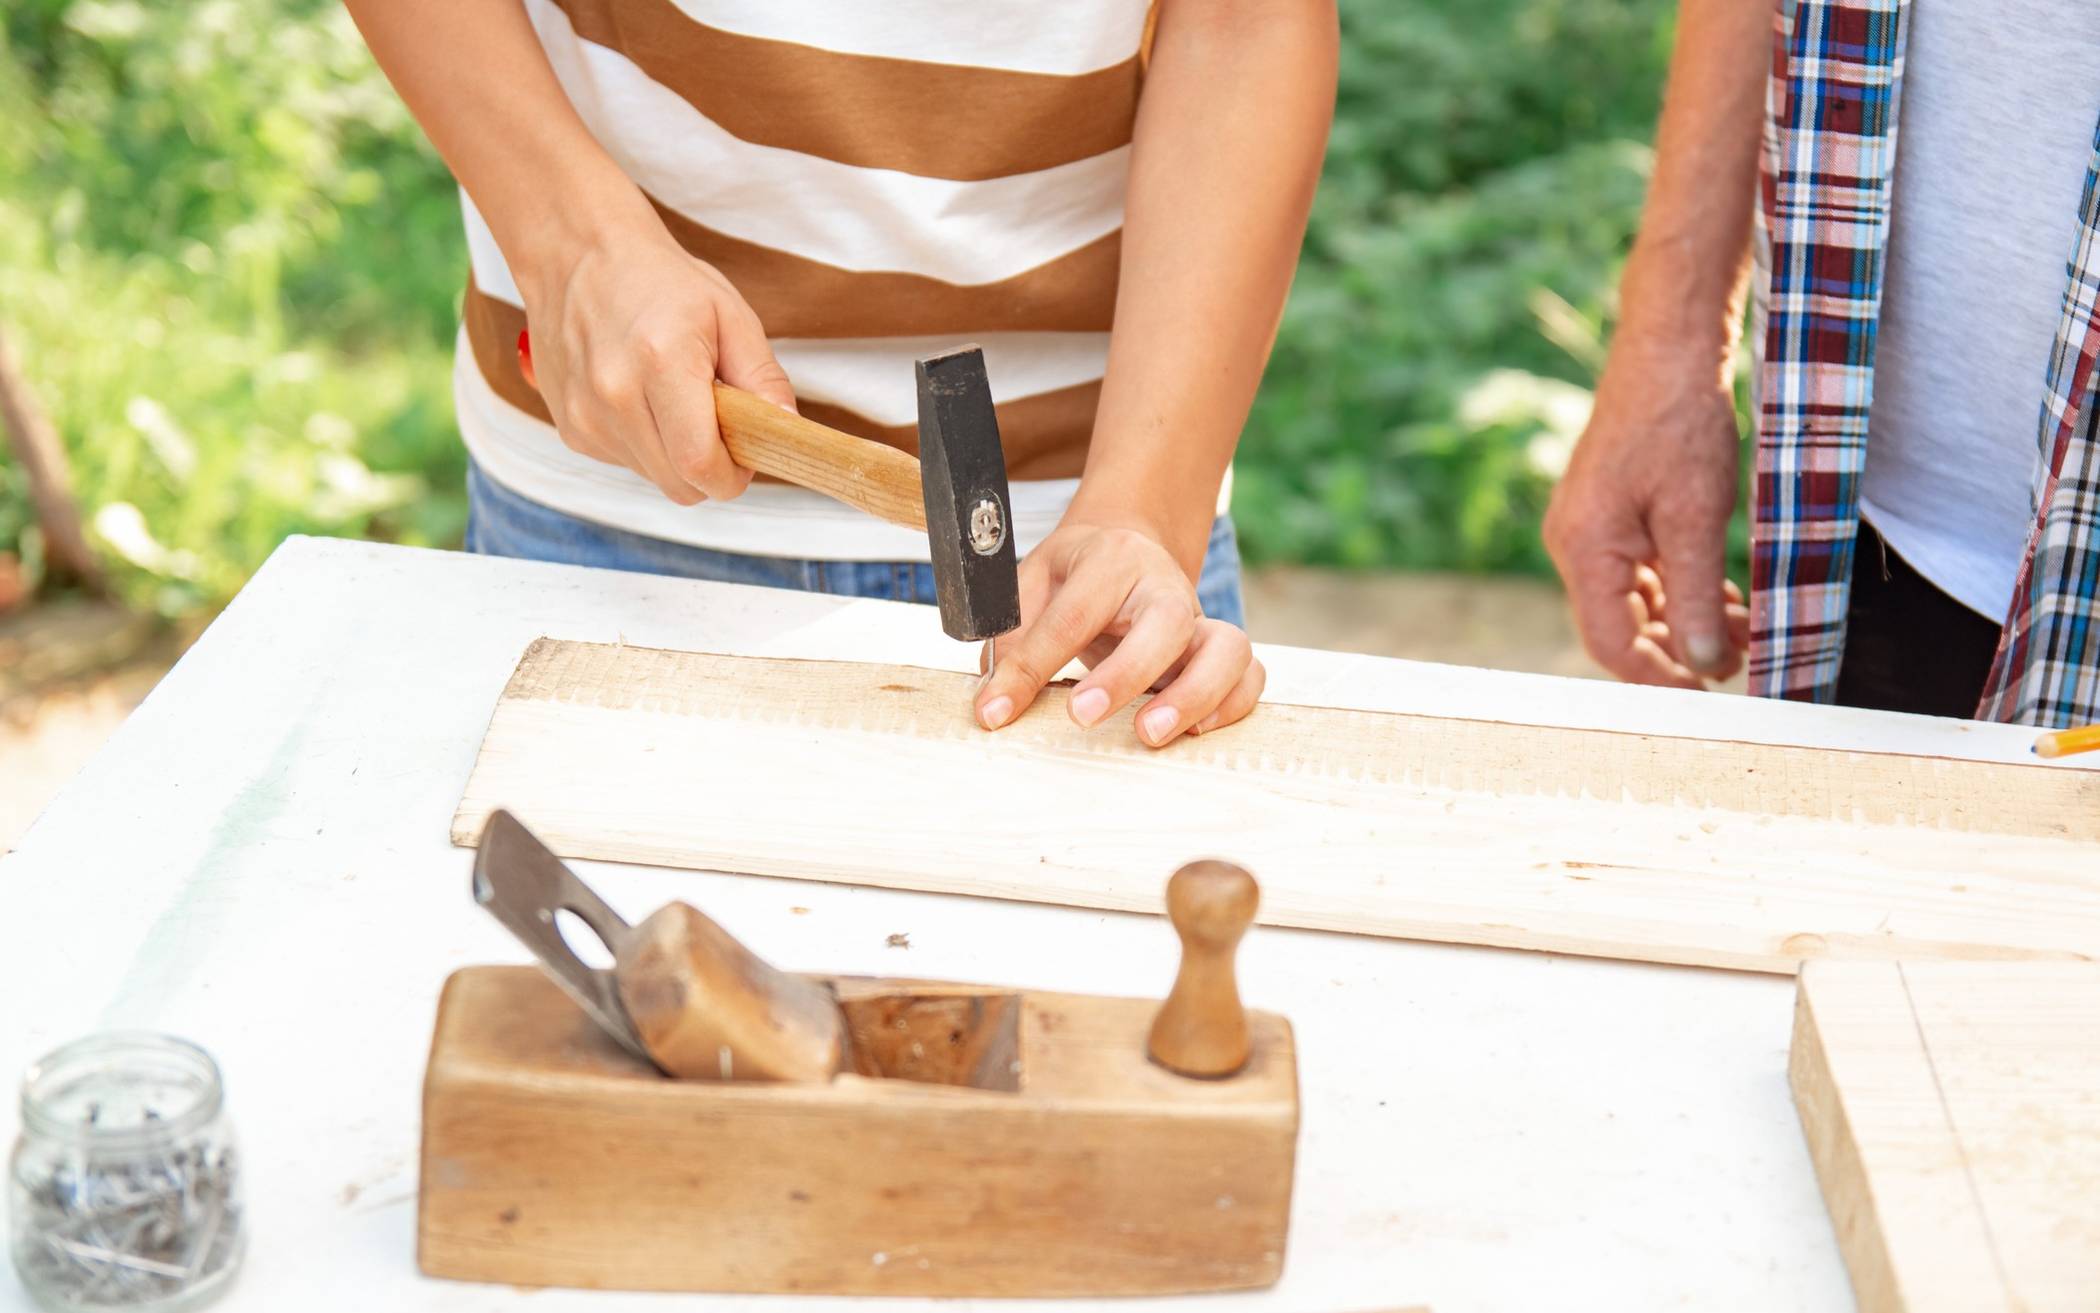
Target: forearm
[
  {"x": 1684, "y": 283},
  {"x": 1227, "y": 152},
  {"x": 473, "y": 74}
]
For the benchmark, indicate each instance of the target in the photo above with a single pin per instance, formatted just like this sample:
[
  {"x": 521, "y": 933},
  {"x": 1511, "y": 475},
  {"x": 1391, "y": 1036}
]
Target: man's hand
[
  {"x": 1638, "y": 527},
  {"x": 627, "y": 341},
  {"x": 1118, "y": 600}
]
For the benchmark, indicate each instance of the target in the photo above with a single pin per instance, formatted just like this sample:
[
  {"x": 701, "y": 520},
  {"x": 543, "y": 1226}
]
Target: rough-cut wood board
[
  {"x": 1620, "y": 845},
  {"x": 1953, "y": 1112}
]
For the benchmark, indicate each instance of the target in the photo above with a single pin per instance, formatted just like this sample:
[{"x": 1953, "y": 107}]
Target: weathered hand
[
  {"x": 1119, "y": 601},
  {"x": 627, "y": 340},
  {"x": 1638, "y": 526}
]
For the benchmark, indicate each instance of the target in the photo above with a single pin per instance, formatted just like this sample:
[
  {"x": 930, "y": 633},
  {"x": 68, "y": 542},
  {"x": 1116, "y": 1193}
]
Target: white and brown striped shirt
[{"x": 879, "y": 180}]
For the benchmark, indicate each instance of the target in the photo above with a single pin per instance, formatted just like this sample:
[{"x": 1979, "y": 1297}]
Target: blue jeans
[{"x": 502, "y": 523}]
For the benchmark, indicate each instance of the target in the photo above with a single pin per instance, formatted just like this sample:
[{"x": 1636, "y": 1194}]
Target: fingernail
[
  {"x": 997, "y": 712},
  {"x": 1158, "y": 723},
  {"x": 1089, "y": 706},
  {"x": 1704, "y": 650}
]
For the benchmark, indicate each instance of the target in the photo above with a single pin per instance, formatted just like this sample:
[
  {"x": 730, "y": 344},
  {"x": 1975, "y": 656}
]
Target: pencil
[{"x": 2064, "y": 742}]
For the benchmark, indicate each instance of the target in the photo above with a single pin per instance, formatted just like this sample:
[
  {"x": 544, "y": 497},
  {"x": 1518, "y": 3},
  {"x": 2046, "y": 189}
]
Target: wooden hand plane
[{"x": 693, "y": 1119}]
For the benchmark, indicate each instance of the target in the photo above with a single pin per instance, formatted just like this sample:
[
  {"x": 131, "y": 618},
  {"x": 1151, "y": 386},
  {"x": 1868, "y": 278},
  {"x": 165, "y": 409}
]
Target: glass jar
[{"x": 124, "y": 1188}]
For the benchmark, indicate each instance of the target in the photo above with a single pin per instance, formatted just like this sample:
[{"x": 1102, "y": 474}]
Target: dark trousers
[{"x": 1909, "y": 646}]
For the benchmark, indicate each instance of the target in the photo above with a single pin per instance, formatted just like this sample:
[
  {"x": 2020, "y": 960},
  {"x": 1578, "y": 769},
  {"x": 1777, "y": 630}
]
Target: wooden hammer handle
[{"x": 878, "y": 479}]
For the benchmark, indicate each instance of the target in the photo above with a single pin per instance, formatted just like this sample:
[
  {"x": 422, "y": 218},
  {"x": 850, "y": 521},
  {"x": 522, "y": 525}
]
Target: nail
[
  {"x": 1704, "y": 651},
  {"x": 1089, "y": 706},
  {"x": 1158, "y": 723},
  {"x": 997, "y": 712}
]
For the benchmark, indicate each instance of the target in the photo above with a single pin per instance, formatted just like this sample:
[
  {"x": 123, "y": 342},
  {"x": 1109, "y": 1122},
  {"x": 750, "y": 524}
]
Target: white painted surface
[{"x": 258, "y": 860}]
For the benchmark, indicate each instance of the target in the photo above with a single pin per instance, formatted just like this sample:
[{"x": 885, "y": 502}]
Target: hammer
[{"x": 955, "y": 491}]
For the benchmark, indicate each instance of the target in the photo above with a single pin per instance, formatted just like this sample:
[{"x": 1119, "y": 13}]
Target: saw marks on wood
[
  {"x": 1625, "y": 845},
  {"x": 1953, "y": 1112}
]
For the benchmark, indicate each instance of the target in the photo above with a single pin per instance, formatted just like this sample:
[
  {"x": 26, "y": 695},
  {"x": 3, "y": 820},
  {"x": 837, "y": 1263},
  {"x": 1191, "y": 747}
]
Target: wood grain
[
  {"x": 871, "y": 476},
  {"x": 552, "y": 1157},
  {"x": 1201, "y": 1029},
  {"x": 1619, "y": 845},
  {"x": 1953, "y": 1113},
  {"x": 706, "y": 1006}
]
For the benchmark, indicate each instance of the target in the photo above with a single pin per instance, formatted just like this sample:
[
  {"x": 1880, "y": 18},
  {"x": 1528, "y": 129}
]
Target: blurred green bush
[
  {"x": 1482, "y": 186},
  {"x": 230, "y": 263},
  {"x": 231, "y": 267}
]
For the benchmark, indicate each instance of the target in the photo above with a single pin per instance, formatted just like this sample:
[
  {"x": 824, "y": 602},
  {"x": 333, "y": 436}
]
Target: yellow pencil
[{"x": 2064, "y": 742}]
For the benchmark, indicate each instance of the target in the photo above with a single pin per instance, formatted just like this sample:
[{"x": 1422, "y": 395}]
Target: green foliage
[
  {"x": 232, "y": 267},
  {"x": 232, "y": 275},
  {"x": 1415, "y": 413},
  {"x": 1482, "y": 185}
]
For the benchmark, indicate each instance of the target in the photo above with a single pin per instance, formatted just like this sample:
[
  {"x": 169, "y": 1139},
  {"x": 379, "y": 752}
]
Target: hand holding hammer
[
  {"x": 955, "y": 491},
  {"x": 662, "y": 401}
]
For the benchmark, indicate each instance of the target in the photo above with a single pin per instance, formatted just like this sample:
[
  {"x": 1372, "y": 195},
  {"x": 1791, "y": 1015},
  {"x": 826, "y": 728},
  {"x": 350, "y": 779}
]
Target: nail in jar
[{"x": 124, "y": 1188}]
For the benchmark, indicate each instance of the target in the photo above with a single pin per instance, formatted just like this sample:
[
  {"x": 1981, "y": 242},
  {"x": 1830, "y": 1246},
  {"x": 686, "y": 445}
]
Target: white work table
[{"x": 258, "y": 861}]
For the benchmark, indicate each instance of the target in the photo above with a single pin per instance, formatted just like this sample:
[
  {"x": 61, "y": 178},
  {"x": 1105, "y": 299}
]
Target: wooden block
[
  {"x": 1028, "y": 1149},
  {"x": 1577, "y": 841},
  {"x": 1953, "y": 1113}
]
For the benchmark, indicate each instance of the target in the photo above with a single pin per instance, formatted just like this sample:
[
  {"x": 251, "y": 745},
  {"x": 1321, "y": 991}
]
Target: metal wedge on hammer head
[{"x": 969, "y": 513}]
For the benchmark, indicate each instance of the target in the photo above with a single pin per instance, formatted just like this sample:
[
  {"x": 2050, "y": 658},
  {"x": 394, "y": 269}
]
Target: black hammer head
[{"x": 969, "y": 516}]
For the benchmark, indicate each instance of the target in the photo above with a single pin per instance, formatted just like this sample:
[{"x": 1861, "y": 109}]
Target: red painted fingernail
[{"x": 525, "y": 356}]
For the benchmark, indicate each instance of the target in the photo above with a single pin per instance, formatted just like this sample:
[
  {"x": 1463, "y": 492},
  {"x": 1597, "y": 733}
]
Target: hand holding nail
[{"x": 1116, "y": 599}]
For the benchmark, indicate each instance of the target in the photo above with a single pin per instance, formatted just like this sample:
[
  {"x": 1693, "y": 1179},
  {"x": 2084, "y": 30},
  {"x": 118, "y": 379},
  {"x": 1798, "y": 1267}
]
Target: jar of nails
[{"x": 124, "y": 1189}]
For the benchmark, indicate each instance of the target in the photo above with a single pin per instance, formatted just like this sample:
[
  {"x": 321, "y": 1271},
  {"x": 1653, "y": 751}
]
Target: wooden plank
[
  {"x": 1953, "y": 1113},
  {"x": 1622, "y": 845}
]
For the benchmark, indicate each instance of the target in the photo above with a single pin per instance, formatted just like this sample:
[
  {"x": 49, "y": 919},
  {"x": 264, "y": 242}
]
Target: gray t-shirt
[{"x": 1994, "y": 134}]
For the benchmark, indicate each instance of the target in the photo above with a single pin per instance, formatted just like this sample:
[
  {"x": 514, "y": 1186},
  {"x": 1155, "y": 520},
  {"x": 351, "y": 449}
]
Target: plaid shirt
[{"x": 1830, "y": 146}]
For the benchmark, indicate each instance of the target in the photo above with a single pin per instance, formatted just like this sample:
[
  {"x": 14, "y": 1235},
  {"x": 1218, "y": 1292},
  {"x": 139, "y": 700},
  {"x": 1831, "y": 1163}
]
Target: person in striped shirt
[{"x": 799, "y": 197}]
